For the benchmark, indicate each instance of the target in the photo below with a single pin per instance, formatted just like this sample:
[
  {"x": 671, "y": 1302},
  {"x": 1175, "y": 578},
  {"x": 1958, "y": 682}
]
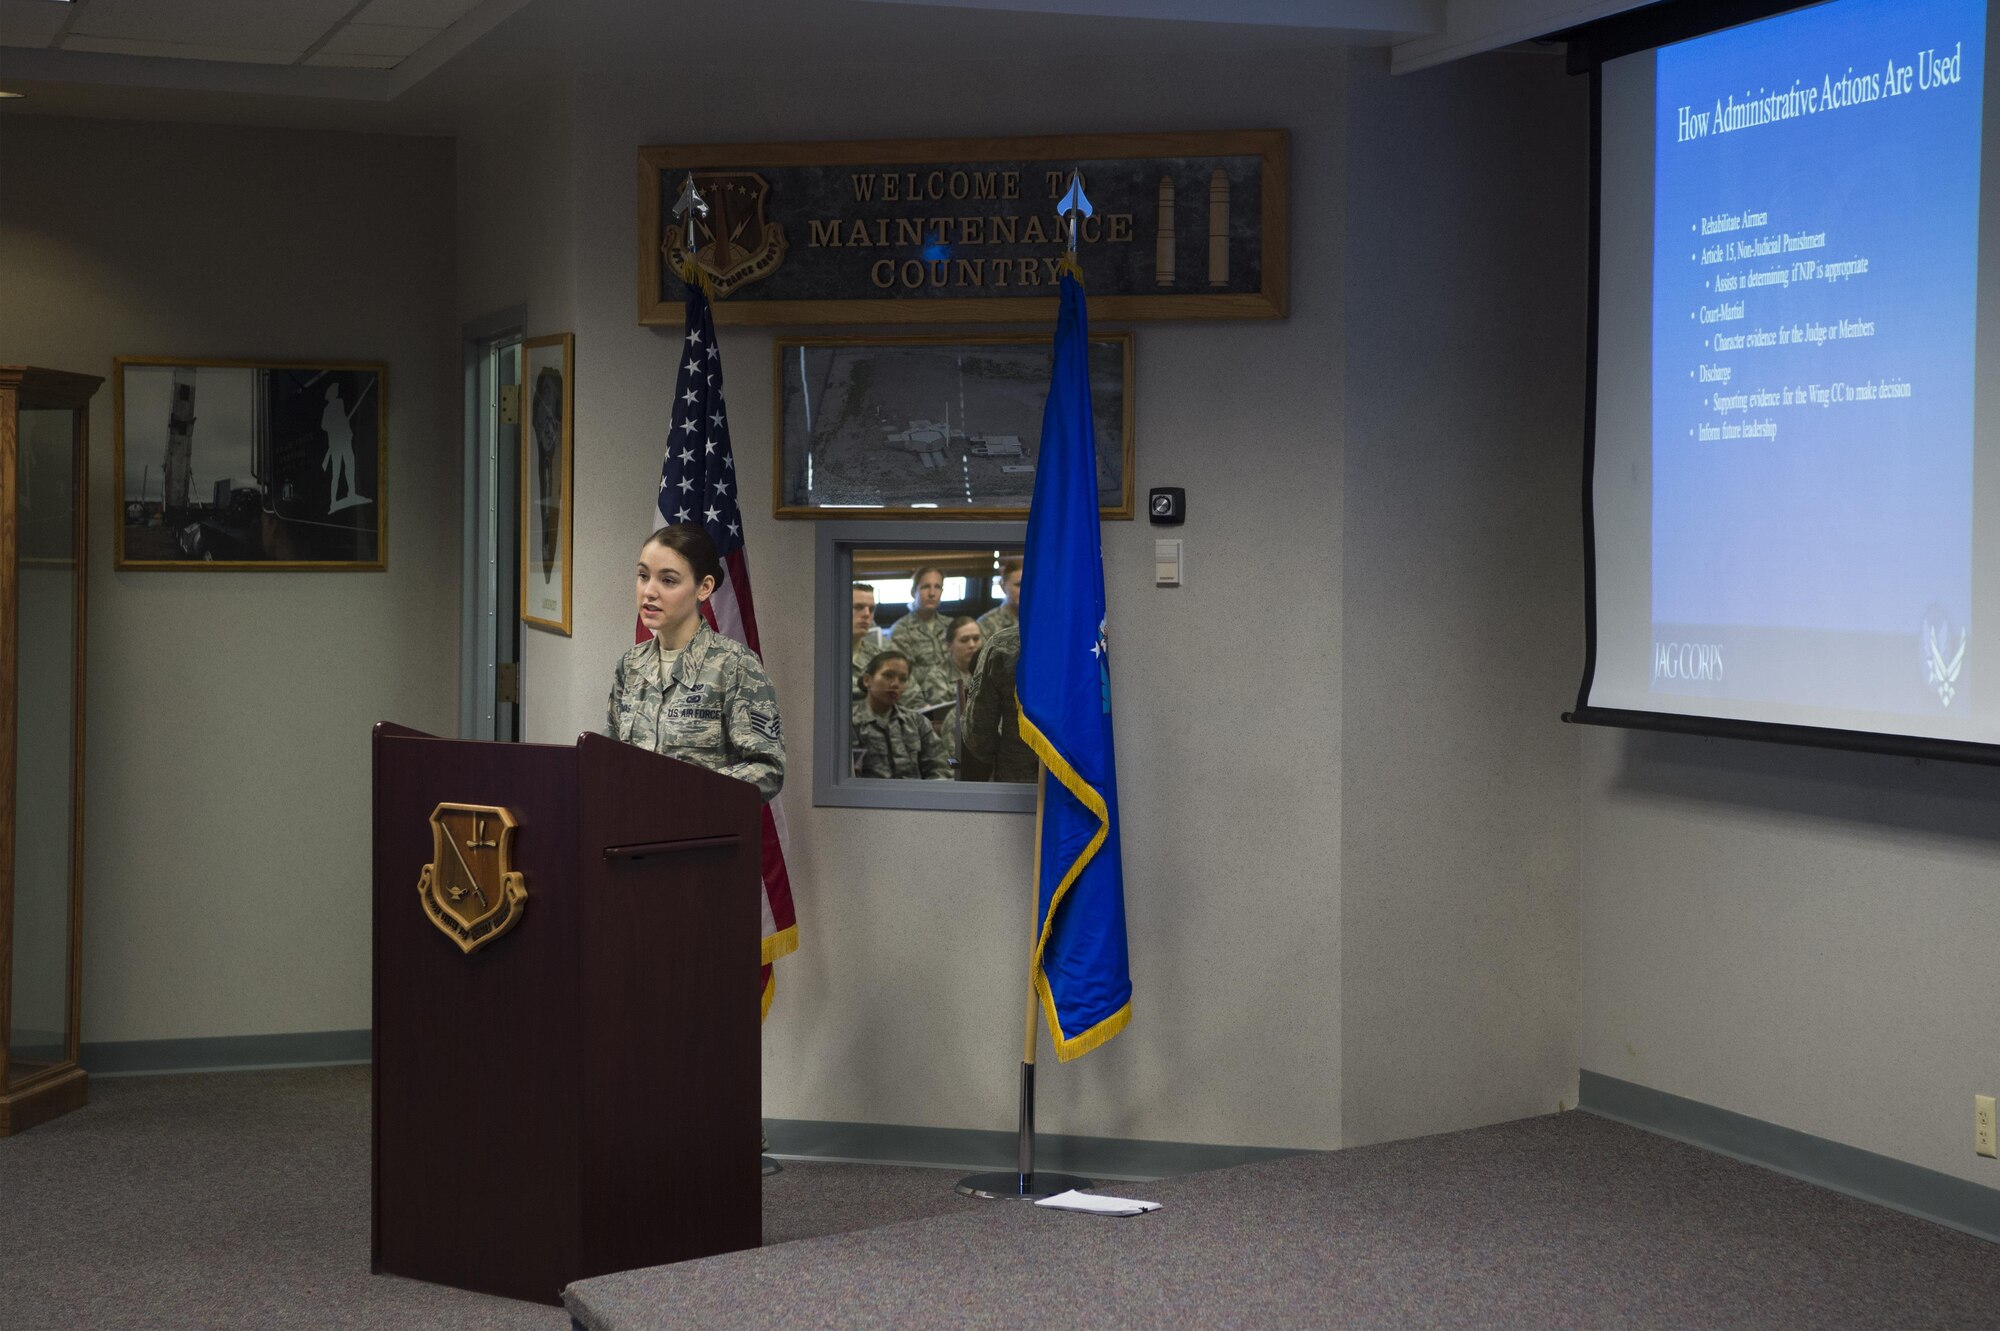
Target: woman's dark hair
[
  {"x": 918, "y": 576},
  {"x": 691, "y": 543},
  {"x": 957, "y": 622},
  {"x": 880, "y": 659}
]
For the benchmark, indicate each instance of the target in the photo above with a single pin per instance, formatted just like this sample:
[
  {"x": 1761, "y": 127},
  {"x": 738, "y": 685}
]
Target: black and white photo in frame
[{"x": 250, "y": 464}]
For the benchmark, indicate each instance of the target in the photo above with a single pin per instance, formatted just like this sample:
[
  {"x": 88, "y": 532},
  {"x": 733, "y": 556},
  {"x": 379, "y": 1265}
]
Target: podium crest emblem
[
  {"x": 736, "y": 244},
  {"x": 470, "y": 889}
]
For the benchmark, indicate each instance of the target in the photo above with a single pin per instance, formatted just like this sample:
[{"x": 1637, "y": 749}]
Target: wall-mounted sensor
[{"x": 1167, "y": 507}]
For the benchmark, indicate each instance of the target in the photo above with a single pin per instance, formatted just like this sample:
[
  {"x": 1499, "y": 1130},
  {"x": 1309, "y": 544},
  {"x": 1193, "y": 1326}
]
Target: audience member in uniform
[
  {"x": 992, "y": 749},
  {"x": 890, "y": 738},
  {"x": 962, "y": 639},
  {"x": 867, "y": 639},
  {"x": 919, "y": 635},
  {"x": 1009, "y": 610}
]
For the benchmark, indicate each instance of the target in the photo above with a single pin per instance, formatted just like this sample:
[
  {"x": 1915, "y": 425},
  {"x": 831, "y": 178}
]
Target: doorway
[{"x": 490, "y": 659}]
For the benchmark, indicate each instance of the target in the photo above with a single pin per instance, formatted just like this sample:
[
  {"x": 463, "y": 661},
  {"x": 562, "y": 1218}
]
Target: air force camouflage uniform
[
  {"x": 931, "y": 674},
  {"x": 999, "y": 617},
  {"x": 901, "y": 745},
  {"x": 993, "y": 749},
  {"x": 865, "y": 651},
  {"x": 714, "y": 707}
]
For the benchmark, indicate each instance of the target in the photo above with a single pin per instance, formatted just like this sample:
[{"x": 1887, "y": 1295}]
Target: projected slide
[{"x": 1815, "y": 215}]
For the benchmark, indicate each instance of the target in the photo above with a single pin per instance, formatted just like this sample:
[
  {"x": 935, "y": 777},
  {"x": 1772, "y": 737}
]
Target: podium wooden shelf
[{"x": 581, "y": 1094}]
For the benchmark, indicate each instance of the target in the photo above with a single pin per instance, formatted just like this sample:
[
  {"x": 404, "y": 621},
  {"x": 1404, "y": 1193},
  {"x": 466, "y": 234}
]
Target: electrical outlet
[{"x": 1983, "y": 1140}]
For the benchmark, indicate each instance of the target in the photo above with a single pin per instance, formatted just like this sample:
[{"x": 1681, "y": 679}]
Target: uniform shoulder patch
[{"x": 764, "y": 720}]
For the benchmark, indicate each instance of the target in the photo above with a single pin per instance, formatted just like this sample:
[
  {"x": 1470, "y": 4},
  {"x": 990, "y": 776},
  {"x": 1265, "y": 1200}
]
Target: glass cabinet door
[
  {"x": 44, "y": 451},
  {"x": 44, "y": 487}
]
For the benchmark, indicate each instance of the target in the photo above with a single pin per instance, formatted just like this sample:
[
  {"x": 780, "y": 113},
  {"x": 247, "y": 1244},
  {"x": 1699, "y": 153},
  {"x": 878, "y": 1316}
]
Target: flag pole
[
  {"x": 1024, "y": 1146},
  {"x": 1023, "y": 1182}
]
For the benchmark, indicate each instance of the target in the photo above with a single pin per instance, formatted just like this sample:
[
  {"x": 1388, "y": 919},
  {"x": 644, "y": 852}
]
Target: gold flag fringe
[{"x": 693, "y": 274}]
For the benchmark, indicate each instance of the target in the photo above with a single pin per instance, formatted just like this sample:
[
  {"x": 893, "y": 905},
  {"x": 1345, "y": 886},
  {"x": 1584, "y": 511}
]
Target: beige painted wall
[
  {"x": 226, "y": 841},
  {"x": 1463, "y": 594}
]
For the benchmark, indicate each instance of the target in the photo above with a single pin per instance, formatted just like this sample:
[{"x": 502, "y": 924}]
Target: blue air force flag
[{"x": 1063, "y": 684}]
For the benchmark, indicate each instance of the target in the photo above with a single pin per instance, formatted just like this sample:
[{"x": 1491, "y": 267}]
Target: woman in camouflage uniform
[
  {"x": 889, "y": 738},
  {"x": 920, "y": 636},
  {"x": 962, "y": 640},
  {"x": 689, "y": 692}
]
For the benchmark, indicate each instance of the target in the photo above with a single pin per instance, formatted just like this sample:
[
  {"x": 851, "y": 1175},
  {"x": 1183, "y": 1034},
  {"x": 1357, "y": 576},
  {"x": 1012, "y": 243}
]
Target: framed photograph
[
  {"x": 934, "y": 426},
  {"x": 250, "y": 464},
  {"x": 548, "y": 377}
]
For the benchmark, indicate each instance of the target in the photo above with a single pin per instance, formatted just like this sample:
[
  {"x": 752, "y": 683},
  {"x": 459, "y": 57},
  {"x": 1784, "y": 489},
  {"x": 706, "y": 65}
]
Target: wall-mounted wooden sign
[{"x": 1187, "y": 226}]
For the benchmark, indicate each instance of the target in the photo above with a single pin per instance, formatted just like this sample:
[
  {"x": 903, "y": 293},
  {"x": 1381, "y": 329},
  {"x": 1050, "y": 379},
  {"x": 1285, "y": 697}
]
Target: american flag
[{"x": 698, "y": 484}]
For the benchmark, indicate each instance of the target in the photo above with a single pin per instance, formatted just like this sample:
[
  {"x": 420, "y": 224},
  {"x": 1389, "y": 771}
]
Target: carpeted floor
[
  {"x": 241, "y": 1200},
  {"x": 1564, "y": 1221}
]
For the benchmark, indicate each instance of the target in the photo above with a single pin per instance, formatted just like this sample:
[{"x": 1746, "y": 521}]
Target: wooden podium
[{"x": 580, "y": 1094}]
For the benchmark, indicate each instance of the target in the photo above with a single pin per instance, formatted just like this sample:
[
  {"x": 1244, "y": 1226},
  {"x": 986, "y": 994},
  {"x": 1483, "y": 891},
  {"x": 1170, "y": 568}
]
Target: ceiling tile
[
  {"x": 352, "y": 60},
  {"x": 378, "y": 39},
  {"x": 30, "y": 22},
  {"x": 248, "y": 24},
  {"x": 417, "y": 13},
  {"x": 179, "y": 50}
]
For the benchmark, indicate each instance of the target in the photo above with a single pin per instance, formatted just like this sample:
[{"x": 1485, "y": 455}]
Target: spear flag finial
[
  {"x": 1073, "y": 204},
  {"x": 690, "y": 206}
]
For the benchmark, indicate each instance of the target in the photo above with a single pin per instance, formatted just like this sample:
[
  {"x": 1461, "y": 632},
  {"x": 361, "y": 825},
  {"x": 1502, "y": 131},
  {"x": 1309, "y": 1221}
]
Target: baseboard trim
[
  {"x": 226, "y": 1053},
  {"x": 969, "y": 1149},
  {"x": 973, "y": 1149},
  {"x": 1927, "y": 1193}
]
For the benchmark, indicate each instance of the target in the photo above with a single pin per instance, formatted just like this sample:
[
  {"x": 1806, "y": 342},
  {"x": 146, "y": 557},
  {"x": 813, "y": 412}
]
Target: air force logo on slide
[{"x": 1943, "y": 654}]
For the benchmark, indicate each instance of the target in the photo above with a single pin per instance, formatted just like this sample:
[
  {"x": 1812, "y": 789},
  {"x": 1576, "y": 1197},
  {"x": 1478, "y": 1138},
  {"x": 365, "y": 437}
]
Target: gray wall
[
  {"x": 1350, "y": 894},
  {"x": 904, "y": 1002},
  {"x": 1467, "y": 219},
  {"x": 226, "y": 841},
  {"x": 1244, "y": 894},
  {"x": 1804, "y": 937}
]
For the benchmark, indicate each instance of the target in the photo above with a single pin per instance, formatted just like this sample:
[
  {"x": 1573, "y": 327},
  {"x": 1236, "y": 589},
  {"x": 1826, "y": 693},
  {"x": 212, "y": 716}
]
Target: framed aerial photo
[
  {"x": 928, "y": 231},
  {"x": 934, "y": 426},
  {"x": 548, "y": 377},
  {"x": 227, "y": 464}
]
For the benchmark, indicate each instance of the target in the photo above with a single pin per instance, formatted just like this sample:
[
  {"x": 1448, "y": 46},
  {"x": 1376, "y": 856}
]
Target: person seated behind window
[
  {"x": 890, "y": 738},
  {"x": 866, "y": 640}
]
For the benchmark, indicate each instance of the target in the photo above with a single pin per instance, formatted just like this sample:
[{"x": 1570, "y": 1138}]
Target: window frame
[{"x": 833, "y": 785}]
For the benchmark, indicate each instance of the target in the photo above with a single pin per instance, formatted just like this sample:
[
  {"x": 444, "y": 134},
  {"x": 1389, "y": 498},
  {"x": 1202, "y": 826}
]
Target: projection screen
[{"x": 1794, "y": 490}]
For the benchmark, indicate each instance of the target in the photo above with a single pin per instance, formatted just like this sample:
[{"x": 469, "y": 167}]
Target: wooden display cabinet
[{"x": 44, "y": 451}]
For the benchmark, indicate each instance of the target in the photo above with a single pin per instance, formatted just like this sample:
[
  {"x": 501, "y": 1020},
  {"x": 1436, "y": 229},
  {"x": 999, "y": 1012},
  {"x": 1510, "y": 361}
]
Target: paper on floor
[{"x": 1095, "y": 1205}]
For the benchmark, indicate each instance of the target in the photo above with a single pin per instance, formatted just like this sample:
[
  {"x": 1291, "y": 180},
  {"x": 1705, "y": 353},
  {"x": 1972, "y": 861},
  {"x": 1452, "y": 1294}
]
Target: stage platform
[{"x": 1567, "y": 1220}]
